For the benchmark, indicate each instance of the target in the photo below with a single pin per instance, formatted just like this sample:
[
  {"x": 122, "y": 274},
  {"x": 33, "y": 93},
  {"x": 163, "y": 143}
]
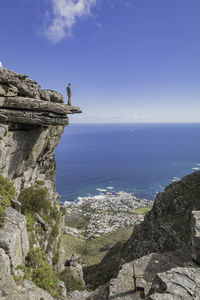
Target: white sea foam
[
  {"x": 101, "y": 190},
  {"x": 195, "y": 168},
  {"x": 99, "y": 197},
  {"x": 175, "y": 179},
  {"x": 109, "y": 187}
]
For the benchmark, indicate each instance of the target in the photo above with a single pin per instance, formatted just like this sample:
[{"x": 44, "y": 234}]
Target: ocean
[{"x": 136, "y": 158}]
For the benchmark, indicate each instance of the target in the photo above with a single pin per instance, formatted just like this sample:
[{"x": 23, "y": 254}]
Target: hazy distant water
[{"x": 136, "y": 158}]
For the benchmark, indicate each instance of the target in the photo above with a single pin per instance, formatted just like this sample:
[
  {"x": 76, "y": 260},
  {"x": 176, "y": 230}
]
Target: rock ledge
[{"x": 22, "y": 101}]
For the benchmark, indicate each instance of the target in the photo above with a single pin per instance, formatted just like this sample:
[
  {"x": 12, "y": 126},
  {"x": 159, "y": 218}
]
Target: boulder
[
  {"x": 62, "y": 288},
  {"x": 25, "y": 290},
  {"x": 146, "y": 267},
  {"x": 179, "y": 283},
  {"x": 53, "y": 96},
  {"x": 122, "y": 287}
]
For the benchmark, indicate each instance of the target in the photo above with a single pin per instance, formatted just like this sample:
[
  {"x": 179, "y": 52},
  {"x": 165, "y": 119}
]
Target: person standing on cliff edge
[{"x": 69, "y": 94}]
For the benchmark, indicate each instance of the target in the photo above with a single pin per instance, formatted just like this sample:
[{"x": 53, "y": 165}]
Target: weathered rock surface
[
  {"x": 123, "y": 287},
  {"x": 135, "y": 279},
  {"x": 22, "y": 101},
  {"x": 26, "y": 290},
  {"x": 14, "y": 238},
  {"x": 62, "y": 289},
  {"x": 146, "y": 267},
  {"x": 101, "y": 293},
  {"x": 4, "y": 262},
  {"x": 78, "y": 295},
  {"x": 75, "y": 268},
  {"x": 157, "y": 296},
  {"x": 27, "y": 156},
  {"x": 22, "y": 86},
  {"x": 195, "y": 236},
  {"x": 162, "y": 229},
  {"x": 179, "y": 283},
  {"x": 34, "y": 118}
]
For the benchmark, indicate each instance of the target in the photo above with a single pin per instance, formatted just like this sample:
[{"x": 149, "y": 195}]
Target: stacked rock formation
[{"x": 22, "y": 101}]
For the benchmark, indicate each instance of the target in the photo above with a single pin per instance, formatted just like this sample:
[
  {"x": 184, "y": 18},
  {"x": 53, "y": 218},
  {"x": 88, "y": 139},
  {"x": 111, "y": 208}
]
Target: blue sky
[{"x": 127, "y": 60}]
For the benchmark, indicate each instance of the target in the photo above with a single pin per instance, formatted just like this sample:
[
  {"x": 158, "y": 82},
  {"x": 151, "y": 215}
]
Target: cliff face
[{"x": 32, "y": 121}]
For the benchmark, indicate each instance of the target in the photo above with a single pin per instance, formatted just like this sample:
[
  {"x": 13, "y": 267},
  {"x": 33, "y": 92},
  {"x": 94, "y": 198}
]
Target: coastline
[{"x": 104, "y": 213}]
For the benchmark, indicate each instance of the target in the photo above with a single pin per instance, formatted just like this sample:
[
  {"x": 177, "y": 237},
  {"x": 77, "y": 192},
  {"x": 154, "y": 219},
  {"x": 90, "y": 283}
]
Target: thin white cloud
[{"x": 65, "y": 15}]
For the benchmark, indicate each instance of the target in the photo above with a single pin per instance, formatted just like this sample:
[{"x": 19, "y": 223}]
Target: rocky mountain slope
[{"x": 171, "y": 225}]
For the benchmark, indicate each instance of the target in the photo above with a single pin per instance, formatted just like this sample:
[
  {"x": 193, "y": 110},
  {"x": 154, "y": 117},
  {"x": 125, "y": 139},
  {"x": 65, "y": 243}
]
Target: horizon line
[{"x": 124, "y": 123}]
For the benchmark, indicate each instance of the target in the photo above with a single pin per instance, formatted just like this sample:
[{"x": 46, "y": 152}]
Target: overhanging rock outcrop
[
  {"x": 32, "y": 121},
  {"x": 22, "y": 101}
]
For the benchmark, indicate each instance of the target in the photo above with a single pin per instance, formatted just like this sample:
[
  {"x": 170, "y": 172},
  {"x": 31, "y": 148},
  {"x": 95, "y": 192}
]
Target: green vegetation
[
  {"x": 63, "y": 210},
  {"x": 34, "y": 199},
  {"x": 46, "y": 278},
  {"x": 7, "y": 192},
  {"x": 39, "y": 182},
  {"x": 36, "y": 258},
  {"x": 142, "y": 210},
  {"x": 40, "y": 271},
  {"x": 76, "y": 221},
  {"x": 30, "y": 222},
  {"x": 57, "y": 254},
  {"x": 71, "y": 283},
  {"x": 92, "y": 251},
  {"x": 54, "y": 233}
]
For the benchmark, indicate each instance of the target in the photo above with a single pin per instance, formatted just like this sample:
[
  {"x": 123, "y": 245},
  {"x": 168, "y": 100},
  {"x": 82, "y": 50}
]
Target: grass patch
[
  {"x": 142, "y": 210},
  {"x": 79, "y": 222},
  {"x": 92, "y": 251}
]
